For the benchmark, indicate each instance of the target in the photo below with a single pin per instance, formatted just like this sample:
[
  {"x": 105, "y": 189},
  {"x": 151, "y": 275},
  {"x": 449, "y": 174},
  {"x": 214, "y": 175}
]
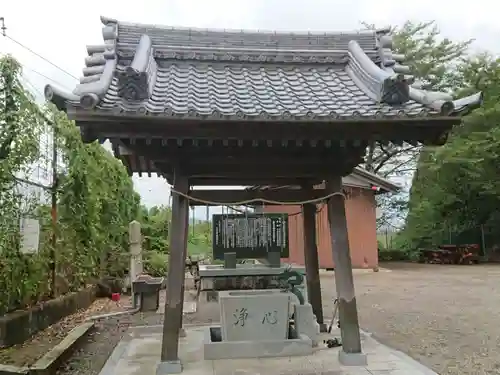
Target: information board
[{"x": 250, "y": 235}]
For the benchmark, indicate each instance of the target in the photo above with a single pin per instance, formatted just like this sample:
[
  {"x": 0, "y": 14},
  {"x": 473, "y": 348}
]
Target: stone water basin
[{"x": 254, "y": 323}]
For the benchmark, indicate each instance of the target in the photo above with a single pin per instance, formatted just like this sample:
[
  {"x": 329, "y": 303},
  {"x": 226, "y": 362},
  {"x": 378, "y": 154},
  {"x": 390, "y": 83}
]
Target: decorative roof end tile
[
  {"x": 467, "y": 104},
  {"x": 59, "y": 96},
  {"x": 395, "y": 91},
  {"x": 379, "y": 84},
  {"x": 136, "y": 82}
]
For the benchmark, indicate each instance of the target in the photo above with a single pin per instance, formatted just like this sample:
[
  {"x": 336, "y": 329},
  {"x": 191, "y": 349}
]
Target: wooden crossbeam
[{"x": 245, "y": 181}]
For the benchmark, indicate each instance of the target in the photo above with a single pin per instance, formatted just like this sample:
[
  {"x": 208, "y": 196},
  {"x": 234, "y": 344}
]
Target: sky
[{"x": 59, "y": 31}]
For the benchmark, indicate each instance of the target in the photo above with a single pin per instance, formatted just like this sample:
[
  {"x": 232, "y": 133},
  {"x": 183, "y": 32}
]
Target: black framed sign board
[{"x": 250, "y": 235}]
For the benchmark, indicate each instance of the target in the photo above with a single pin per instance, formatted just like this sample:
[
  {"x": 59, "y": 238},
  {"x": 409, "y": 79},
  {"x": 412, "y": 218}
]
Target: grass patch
[{"x": 200, "y": 249}]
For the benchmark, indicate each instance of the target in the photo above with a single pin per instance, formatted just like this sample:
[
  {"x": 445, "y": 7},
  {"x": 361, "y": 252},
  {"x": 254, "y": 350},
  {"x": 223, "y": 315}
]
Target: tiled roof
[
  {"x": 245, "y": 92},
  {"x": 240, "y": 75}
]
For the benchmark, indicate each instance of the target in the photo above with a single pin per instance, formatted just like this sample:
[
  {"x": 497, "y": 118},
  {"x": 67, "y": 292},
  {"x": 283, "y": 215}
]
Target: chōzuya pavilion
[{"x": 234, "y": 107}]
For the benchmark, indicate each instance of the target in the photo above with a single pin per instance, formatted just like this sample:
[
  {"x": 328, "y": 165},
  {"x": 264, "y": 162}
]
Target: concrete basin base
[{"x": 215, "y": 348}]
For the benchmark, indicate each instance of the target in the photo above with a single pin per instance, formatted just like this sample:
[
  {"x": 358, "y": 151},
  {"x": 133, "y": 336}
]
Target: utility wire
[
  {"x": 44, "y": 76},
  {"x": 40, "y": 56},
  {"x": 28, "y": 83},
  {"x": 25, "y": 67}
]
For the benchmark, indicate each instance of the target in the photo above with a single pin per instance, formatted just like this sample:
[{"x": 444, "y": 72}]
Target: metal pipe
[{"x": 136, "y": 307}]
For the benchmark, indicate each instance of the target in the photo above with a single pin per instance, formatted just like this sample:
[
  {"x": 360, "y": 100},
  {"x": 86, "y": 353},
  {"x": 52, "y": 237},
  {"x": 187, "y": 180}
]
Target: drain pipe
[{"x": 136, "y": 307}]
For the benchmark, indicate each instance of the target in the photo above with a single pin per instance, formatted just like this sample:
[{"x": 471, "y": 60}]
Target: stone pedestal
[
  {"x": 352, "y": 359},
  {"x": 230, "y": 260},
  {"x": 169, "y": 367},
  {"x": 274, "y": 259},
  {"x": 254, "y": 315},
  {"x": 305, "y": 322}
]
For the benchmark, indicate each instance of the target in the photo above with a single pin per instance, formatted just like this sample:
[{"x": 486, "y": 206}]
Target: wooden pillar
[
  {"x": 182, "y": 333},
  {"x": 174, "y": 301},
  {"x": 348, "y": 314},
  {"x": 311, "y": 262}
]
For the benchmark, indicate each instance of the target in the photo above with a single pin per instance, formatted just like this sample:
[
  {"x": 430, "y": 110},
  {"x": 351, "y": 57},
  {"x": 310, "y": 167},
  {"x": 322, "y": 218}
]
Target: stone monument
[
  {"x": 244, "y": 319},
  {"x": 256, "y": 323},
  {"x": 135, "y": 241}
]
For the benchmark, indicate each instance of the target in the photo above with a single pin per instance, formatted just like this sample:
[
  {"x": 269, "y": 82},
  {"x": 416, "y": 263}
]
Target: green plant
[
  {"x": 21, "y": 276},
  {"x": 385, "y": 255},
  {"x": 96, "y": 202},
  {"x": 156, "y": 264}
]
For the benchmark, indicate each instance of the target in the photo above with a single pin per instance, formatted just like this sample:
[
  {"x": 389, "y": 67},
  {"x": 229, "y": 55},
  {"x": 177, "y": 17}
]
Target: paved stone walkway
[{"x": 139, "y": 352}]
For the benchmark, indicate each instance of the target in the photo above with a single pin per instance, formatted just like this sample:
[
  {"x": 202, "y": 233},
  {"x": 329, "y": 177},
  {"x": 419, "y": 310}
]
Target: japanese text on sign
[{"x": 250, "y": 235}]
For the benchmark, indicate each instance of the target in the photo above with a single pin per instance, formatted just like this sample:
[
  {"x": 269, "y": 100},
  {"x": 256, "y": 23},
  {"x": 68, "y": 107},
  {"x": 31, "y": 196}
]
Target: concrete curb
[
  {"x": 404, "y": 357},
  {"x": 13, "y": 370},
  {"x": 52, "y": 359},
  {"x": 114, "y": 358}
]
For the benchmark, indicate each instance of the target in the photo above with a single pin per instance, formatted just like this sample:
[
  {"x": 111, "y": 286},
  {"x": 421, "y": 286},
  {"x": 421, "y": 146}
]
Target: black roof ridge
[{"x": 360, "y": 32}]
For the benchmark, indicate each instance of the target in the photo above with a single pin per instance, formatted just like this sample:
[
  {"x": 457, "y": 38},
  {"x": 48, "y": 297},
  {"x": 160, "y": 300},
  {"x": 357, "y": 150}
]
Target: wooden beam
[
  {"x": 182, "y": 332},
  {"x": 263, "y": 170},
  {"x": 230, "y": 196},
  {"x": 312, "y": 263},
  {"x": 147, "y": 127},
  {"x": 245, "y": 181},
  {"x": 208, "y": 160},
  {"x": 344, "y": 283},
  {"x": 175, "y": 277},
  {"x": 165, "y": 150}
]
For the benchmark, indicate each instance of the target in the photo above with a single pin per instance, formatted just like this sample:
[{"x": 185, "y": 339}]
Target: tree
[
  {"x": 455, "y": 186},
  {"x": 155, "y": 227},
  {"x": 432, "y": 61}
]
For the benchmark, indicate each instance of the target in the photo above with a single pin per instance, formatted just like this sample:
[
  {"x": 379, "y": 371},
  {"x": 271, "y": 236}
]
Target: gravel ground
[{"x": 440, "y": 315}]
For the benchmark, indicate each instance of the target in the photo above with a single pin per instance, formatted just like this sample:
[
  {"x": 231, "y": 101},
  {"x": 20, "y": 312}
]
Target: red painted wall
[{"x": 361, "y": 224}]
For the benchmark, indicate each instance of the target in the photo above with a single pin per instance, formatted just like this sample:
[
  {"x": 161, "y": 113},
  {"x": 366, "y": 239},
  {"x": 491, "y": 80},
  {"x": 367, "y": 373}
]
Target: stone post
[{"x": 135, "y": 241}]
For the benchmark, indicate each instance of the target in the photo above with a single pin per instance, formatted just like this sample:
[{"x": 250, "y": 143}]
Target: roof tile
[
  {"x": 230, "y": 89},
  {"x": 228, "y": 74}
]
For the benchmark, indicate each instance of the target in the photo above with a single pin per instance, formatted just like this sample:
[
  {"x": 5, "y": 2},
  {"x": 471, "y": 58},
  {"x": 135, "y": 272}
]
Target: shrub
[
  {"x": 156, "y": 264},
  {"x": 385, "y": 255}
]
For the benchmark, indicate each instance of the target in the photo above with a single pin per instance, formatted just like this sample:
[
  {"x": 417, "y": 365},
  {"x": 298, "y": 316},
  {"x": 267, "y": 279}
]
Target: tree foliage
[
  {"x": 455, "y": 187},
  {"x": 96, "y": 201},
  {"x": 432, "y": 60},
  {"x": 155, "y": 229}
]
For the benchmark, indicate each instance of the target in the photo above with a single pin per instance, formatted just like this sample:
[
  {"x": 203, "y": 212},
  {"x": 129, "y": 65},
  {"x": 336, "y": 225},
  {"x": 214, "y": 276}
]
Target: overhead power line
[
  {"x": 4, "y": 33},
  {"x": 44, "y": 76},
  {"x": 28, "y": 83},
  {"x": 40, "y": 56}
]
